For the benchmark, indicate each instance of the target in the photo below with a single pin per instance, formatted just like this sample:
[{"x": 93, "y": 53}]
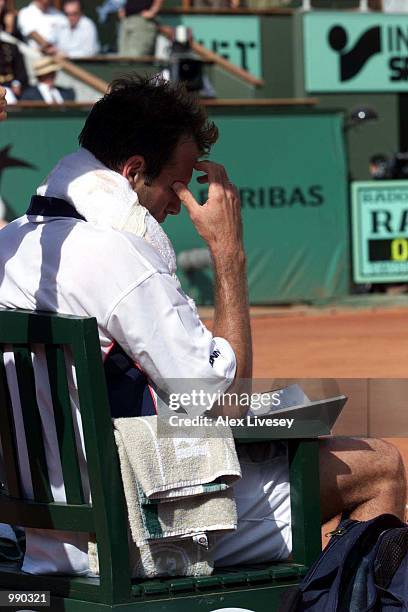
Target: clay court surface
[{"x": 331, "y": 343}]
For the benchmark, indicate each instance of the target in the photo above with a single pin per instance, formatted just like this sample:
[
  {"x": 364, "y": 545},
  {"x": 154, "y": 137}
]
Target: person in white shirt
[
  {"x": 387, "y": 6},
  {"x": 77, "y": 35},
  {"x": 45, "y": 70},
  {"x": 8, "y": 539},
  {"x": 41, "y": 19},
  {"x": 395, "y": 6},
  {"x": 91, "y": 244}
]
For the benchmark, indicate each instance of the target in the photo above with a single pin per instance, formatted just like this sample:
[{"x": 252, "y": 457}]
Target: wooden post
[
  {"x": 210, "y": 56},
  {"x": 72, "y": 69},
  {"x": 83, "y": 75}
]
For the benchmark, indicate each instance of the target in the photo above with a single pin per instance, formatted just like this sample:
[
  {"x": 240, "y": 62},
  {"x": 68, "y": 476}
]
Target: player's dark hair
[{"x": 147, "y": 117}]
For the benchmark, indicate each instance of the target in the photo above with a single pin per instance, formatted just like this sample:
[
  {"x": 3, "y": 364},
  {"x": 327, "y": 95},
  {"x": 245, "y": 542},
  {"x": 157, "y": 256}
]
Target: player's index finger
[
  {"x": 216, "y": 177},
  {"x": 215, "y": 171},
  {"x": 202, "y": 165},
  {"x": 184, "y": 194}
]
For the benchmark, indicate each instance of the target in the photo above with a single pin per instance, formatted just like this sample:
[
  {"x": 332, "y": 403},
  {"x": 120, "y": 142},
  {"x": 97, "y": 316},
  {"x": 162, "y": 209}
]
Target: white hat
[{"x": 45, "y": 65}]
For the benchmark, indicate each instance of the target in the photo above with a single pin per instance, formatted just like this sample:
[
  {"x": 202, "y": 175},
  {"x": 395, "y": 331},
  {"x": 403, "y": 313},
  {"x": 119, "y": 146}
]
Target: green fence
[{"x": 291, "y": 171}]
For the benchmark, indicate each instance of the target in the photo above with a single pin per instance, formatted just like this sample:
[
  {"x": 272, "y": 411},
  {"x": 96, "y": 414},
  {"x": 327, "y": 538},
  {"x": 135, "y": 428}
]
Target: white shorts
[{"x": 264, "y": 517}]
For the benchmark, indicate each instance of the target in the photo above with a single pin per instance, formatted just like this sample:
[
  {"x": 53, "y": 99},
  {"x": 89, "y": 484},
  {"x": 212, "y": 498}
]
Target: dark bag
[{"x": 363, "y": 568}]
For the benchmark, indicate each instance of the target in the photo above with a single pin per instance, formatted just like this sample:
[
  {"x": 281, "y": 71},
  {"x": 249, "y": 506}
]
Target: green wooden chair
[{"x": 255, "y": 588}]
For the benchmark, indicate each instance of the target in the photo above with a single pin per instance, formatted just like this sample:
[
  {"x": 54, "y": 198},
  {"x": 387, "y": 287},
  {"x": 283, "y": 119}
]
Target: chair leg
[{"x": 305, "y": 500}]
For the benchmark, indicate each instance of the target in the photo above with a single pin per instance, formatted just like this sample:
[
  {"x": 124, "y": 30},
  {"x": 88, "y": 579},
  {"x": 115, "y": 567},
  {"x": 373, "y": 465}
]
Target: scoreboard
[{"x": 380, "y": 231}]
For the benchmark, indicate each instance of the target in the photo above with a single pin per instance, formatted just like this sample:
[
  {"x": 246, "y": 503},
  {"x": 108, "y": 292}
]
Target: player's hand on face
[
  {"x": 218, "y": 221},
  {"x": 3, "y": 104}
]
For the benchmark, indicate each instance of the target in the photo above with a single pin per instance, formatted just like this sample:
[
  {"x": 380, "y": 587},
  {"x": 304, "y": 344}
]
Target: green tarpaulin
[{"x": 291, "y": 171}]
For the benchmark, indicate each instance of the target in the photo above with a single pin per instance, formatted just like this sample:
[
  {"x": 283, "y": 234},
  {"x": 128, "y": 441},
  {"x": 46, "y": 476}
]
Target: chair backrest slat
[
  {"x": 63, "y": 517},
  {"x": 64, "y": 424},
  {"x": 7, "y": 434},
  {"x": 27, "y": 332},
  {"x": 103, "y": 462},
  {"x": 32, "y": 423}
]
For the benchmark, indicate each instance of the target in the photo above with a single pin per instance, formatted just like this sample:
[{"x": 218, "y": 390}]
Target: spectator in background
[
  {"x": 77, "y": 35},
  {"x": 379, "y": 167},
  {"x": 8, "y": 19},
  {"x": 40, "y": 18},
  {"x": 218, "y": 4},
  {"x": 13, "y": 74},
  {"x": 265, "y": 4},
  {"x": 137, "y": 33},
  {"x": 395, "y": 6},
  {"x": 46, "y": 70},
  {"x": 389, "y": 6},
  {"x": 3, "y": 104}
]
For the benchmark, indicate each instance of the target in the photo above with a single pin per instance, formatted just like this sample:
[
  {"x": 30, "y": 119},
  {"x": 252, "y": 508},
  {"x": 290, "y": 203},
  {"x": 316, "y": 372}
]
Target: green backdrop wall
[{"x": 290, "y": 168}]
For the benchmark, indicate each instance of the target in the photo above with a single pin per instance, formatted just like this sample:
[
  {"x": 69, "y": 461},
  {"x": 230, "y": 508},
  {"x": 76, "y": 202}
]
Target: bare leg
[{"x": 365, "y": 477}]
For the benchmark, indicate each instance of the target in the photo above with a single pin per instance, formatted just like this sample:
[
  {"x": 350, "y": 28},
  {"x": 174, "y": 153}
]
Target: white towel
[
  {"x": 105, "y": 198},
  {"x": 177, "y": 489},
  {"x": 181, "y": 483}
]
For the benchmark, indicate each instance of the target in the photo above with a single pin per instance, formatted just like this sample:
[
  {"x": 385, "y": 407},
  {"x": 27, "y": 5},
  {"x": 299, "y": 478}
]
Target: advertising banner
[
  {"x": 353, "y": 52},
  {"x": 236, "y": 38},
  {"x": 380, "y": 231},
  {"x": 291, "y": 173}
]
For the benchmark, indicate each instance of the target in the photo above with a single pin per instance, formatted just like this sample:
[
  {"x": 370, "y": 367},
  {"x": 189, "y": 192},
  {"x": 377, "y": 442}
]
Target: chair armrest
[
  {"x": 303, "y": 455},
  {"x": 300, "y": 429},
  {"x": 308, "y": 421}
]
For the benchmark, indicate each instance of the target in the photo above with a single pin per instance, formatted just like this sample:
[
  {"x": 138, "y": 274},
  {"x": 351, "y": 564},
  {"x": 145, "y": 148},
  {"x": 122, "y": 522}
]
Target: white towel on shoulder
[{"x": 105, "y": 198}]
